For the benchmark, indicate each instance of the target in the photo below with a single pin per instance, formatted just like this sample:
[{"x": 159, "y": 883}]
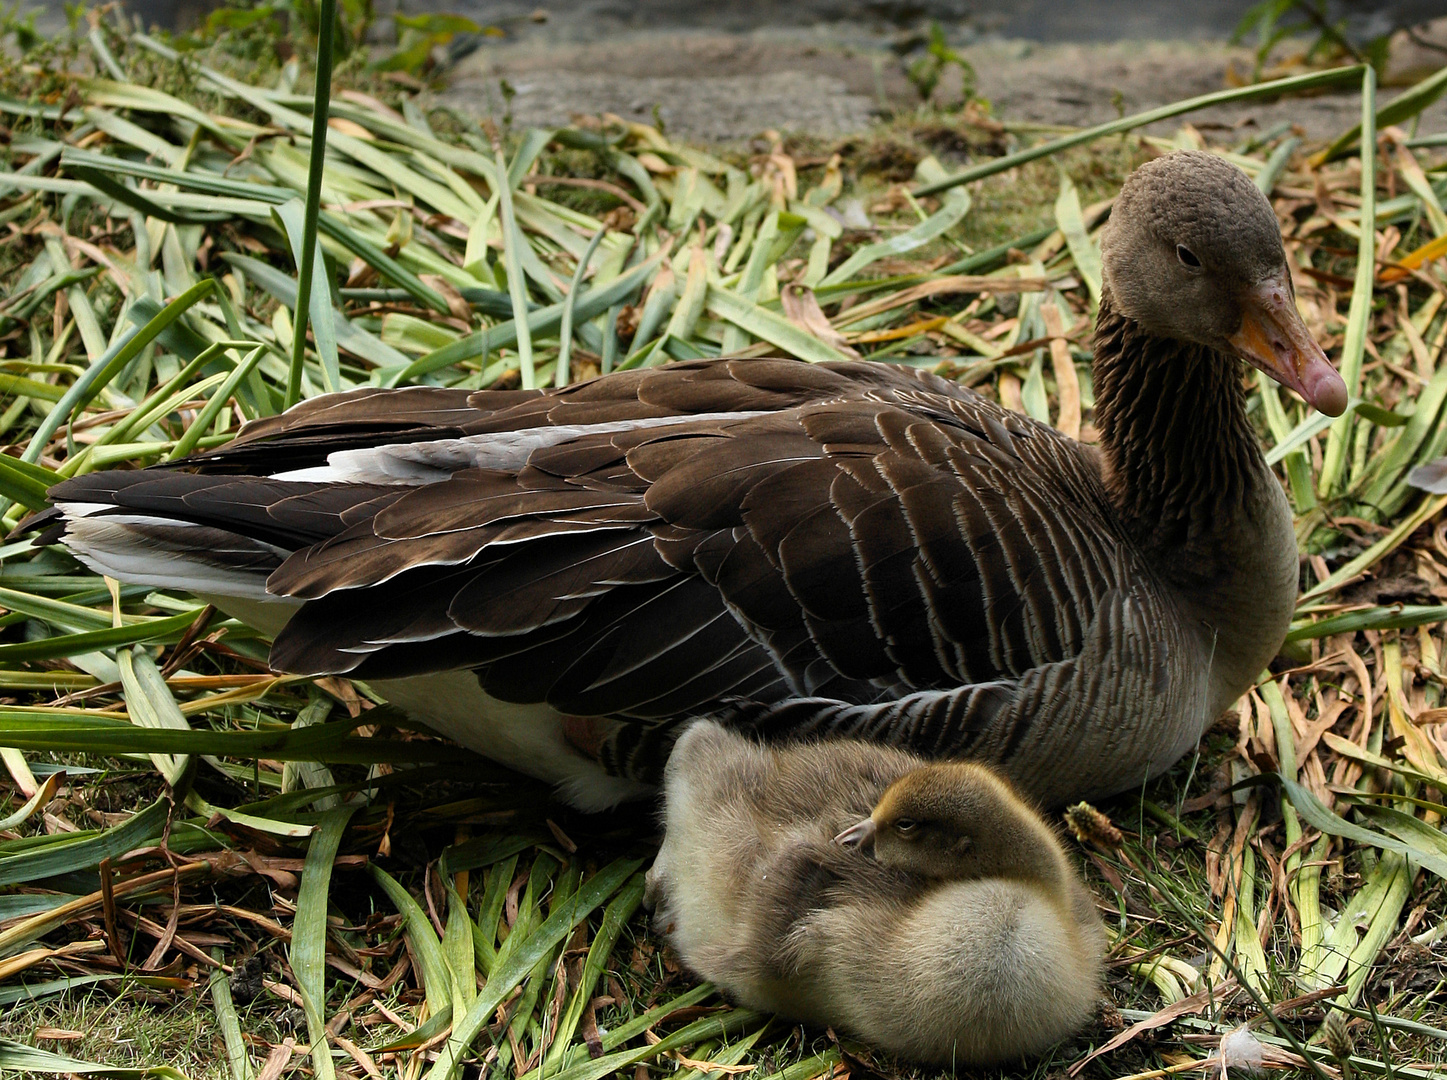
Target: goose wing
[{"x": 653, "y": 543}]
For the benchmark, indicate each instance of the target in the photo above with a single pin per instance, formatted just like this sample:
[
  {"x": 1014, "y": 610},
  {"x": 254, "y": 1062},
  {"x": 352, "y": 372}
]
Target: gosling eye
[
  {"x": 1187, "y": 257},
  {"x": 906, "y": 826}
]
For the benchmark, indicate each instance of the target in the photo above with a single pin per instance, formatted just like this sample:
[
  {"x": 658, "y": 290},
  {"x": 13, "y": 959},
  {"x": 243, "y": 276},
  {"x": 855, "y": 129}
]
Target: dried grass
[{"x": 356, "y": 898}]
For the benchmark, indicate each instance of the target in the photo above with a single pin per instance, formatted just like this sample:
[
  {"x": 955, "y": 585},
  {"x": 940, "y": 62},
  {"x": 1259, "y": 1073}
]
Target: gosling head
[
  {"x": 957, "y": 820},
  {"x": 1193, "y": 252}
]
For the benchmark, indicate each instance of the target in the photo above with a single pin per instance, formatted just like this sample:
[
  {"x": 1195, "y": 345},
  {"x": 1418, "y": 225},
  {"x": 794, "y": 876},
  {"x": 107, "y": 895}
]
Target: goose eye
[
  {"x": 1187, "y": 257},
  {"x": 905, "y": 826}
]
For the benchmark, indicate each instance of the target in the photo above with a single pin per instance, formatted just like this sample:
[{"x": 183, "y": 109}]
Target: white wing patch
[
  {"x": 419, "y": 463},
  {"x": 193, "y": 557}
]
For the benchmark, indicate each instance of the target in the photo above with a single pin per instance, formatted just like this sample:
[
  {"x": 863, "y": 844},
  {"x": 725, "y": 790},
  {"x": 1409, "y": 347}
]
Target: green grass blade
[
  {"x": 593, "y": 302},
  {"x": 1403, "y": 107},
  {"x": 510, "y": 972},
  {"x": 565, "y": 332},
  {"x": 384, "y": 264},
  {"x": 489, "y": 912},
  {"x": 66, "y": 853},
  {"x": 424, "y": 1032},
  {"x": 534, "y": 140},
  {"x": 765, "y": 241},
  {"x": 631, "y": 1029},
  {"x": 1351, "y": 750},
  {"x": 1298, "y": 469},
  {"x": 436, "y": 975},
  {"x": 14, "y": 386},
  {"x": 130, "y": 95},
  {"x": 292, "y": 218},
  {"x": 1250, "y": 957},
  {"x": 710, "y": 1027},
  {"x": 236, "y": 1054},
  {"x": 62, "y": 613},
  {"x": 90, "y": 641},
  {"x": 1354, "y": 340},
  {"x": 1293, "y": 84},
  {"x": 615, "y": 918},
  {"x": 1323, "y": 820},
  {"x": 1084, "y": 251},
  {"x": 1269, "y": 173},
  {"x": 21, "y": 304},
  {"x": 99, "y": 374},
  {"x": 326, "y": 34},
  {"x": 1396, "y": 617},
  {"x": 21, "y": 1058},
  {"x": 1304, "y": 887},
  {"x": 27, "y": 484},
  {"x": 457, "y": 953},
  {"x": 1429, "y": 508},
  {"x": 150, "y": 704},
  {"x": 206, "y": 184},
  {"x": 1364, "y": 926},
  {"x": 207, "y": 416},
  {"x": 512, "y": 244},
  {"x": 159, "y": 403},
  {"x": 1411, "y": 830},
  {"x": 114, "y": 189},
  {"x": 937, "y": 224},
  {"x": 769, "y": 326},
  {"x": 309, "y": 930},
  {"x": 349, "y": 337},
  {"x": 28, "y": 993},
  {"x": 690, "y": 302},
  {"x": 1389, "y": 483},
  {"x": 79, "y": 731}
]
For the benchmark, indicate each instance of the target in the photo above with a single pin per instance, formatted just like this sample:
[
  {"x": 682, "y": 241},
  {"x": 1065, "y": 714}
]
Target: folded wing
[{"x": 644, "y": 546}]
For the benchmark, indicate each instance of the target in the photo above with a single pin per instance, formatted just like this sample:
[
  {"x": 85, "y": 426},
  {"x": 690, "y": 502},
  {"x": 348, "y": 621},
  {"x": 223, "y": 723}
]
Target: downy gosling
[{"x": 922, "y": 907}]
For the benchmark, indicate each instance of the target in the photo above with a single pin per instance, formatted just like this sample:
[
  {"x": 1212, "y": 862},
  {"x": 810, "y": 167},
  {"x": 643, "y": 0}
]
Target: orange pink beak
[{"x": 1273, "y": 339}]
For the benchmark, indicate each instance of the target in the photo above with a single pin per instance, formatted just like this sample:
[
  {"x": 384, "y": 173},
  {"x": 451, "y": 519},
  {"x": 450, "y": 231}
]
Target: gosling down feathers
[
  {"x": 942, "y": 923},
  {"x": 556, "y": 578}
]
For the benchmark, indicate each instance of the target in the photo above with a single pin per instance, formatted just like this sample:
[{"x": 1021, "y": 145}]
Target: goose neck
[
  {"x": 1188, "y": 483},
  {"x": 1181, "y": 462}
]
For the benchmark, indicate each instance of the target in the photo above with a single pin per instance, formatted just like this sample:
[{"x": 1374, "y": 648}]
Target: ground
[
  {"x": 725, "y": 87},
  {"x": 1194, "y": 867}
]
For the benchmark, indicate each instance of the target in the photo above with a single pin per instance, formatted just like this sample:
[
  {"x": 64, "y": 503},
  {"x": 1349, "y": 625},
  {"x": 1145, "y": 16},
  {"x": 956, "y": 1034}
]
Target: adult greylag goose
[
  {"x": 947, "y": 926},
  {"x": 555, "y": 578}
]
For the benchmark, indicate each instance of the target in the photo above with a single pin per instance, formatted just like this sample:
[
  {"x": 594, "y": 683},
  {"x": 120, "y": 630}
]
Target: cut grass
[
  {"x": 130, "y": 1029},
  {"x": 469, "y": 919}
]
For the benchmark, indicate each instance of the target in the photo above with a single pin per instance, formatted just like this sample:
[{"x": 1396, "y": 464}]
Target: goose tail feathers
[{"x": 164, "y": 530}]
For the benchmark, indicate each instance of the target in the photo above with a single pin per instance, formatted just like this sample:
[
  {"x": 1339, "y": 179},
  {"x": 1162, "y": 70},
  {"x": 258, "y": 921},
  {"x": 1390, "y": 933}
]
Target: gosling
[{"x": 946, "y": 926}]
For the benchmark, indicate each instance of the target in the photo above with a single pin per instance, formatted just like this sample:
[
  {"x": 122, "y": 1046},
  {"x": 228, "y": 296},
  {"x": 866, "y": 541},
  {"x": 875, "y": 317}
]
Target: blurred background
[
  {"x": 726, "y": 70},
  {"x": 1033, "y": 20}
]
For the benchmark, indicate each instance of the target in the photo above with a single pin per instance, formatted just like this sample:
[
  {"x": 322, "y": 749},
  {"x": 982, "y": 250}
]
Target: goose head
[
  {"x": 957, "y": 820},
  {"x": 1193, "y": 252}
]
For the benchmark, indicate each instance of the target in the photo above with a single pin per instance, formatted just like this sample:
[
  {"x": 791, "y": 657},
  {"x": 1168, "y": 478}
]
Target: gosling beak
[
  {"x": 1273, "y": 339},
  {"x": 860, "y": 835}
]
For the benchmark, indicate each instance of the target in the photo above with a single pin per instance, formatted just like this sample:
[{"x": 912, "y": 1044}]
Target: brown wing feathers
[
  {"x": 842, "y": 530},
  {"x": 304, "y": 435},
  {"x": 289, "y": 515}
]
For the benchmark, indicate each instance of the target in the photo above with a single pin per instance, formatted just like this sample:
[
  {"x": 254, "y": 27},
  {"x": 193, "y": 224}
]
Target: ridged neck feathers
[{"x": 1180, "y": 458}]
